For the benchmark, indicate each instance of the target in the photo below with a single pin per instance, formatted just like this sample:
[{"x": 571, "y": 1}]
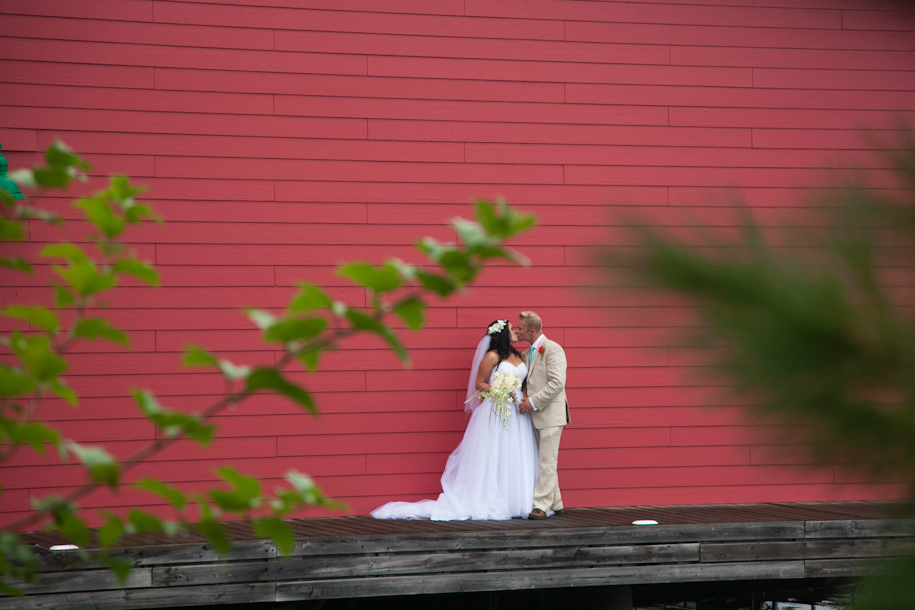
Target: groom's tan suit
[{"x": 546, "y": 389}]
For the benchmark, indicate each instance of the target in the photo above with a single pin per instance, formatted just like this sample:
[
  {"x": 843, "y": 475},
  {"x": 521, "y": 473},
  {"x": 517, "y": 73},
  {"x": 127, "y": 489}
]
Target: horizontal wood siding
[{"x": 281, "y": 140}]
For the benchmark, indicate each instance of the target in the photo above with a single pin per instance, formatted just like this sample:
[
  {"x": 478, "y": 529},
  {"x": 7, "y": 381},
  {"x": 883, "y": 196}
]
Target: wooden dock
[{"x": 342, "y": 557}]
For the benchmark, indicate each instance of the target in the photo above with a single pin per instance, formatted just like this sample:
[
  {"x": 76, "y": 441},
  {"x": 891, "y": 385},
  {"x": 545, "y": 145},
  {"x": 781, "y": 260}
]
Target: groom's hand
[{"x": 525, "y": 406}]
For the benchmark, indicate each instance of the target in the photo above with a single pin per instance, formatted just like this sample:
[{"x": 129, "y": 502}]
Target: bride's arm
[{"x": 486, "y": 367}]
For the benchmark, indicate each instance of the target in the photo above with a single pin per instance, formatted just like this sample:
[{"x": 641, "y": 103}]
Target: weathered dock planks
[{"x": 361, "y": 557}]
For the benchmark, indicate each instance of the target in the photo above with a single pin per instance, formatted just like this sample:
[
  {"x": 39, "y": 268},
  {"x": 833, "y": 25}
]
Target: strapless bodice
[{"x": 507, "y": 367}]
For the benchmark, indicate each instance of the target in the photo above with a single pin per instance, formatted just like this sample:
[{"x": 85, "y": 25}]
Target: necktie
[{"x": 530, "y": 358}]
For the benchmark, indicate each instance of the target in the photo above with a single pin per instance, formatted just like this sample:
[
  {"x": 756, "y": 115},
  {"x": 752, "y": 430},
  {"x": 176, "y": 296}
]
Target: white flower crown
[{"x": 496, "y": 327}]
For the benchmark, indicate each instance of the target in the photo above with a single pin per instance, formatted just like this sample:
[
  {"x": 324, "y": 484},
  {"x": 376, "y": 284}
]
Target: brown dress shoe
[
  {"x": 557, "y": 513},
  {"x": 537, "y": 514}
]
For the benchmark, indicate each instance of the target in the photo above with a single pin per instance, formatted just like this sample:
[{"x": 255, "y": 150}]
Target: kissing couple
[{"x": 505, "y": 466}]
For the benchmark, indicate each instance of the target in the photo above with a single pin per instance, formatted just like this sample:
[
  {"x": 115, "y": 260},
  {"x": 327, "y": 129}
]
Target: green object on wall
[{"x": 5, "y": 182}]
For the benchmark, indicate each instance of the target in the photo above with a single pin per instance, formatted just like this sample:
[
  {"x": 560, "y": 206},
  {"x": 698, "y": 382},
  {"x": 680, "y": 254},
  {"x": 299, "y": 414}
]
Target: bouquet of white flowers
[{"x": 503, "y": 385}]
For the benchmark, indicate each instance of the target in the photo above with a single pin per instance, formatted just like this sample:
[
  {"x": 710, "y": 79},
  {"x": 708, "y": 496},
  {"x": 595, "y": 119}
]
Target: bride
[{"x": 491, "y": 474}]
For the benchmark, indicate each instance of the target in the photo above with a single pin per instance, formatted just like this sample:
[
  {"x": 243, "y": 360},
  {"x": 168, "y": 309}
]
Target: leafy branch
[{"x": 312, "y": 324}]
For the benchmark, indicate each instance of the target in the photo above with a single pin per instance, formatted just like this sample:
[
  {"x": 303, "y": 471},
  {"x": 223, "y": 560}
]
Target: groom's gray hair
[{"x": 531, "y": 320}]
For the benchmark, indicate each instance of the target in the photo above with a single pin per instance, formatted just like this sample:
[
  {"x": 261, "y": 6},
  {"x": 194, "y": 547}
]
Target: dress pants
[{"x": 546, "y": 492}]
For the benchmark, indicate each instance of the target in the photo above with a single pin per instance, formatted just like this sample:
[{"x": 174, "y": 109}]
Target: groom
[{"x": 547, "y": 404}]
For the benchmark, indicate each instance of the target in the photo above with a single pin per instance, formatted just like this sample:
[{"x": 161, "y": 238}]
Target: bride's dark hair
[{"x": 501, "y": 342}]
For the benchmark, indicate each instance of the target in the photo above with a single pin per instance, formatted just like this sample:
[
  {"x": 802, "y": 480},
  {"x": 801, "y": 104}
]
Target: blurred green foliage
[{"x": 813, "y": 325}]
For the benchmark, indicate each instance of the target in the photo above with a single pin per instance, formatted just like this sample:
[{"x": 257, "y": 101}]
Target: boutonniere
[{"x": 540, "y": 351}]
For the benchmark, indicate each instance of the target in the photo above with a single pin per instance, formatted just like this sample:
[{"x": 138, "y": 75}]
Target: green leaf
[
  {"x": 11, "y": 230},
  {"x": 86, "y": 279},
  {"x": 172, "y": 494},
  {"x": 486, "y": 216},
  {"x": 244, "y": 496},
  {"x": 432, "y": 248},
  {"x": 310, "y": 297},
  {"x": 360, "y": 321},
  {"x": 215, "y": 533},
  {"x": 213, "y": 530},
  {"x": 99, "y": 213},
  {"x": 174, "y": 423},
  {"x": 380, "y": 280},
  {"x": 16, "y": 559},
  {"x": 194, "y": 355},
  {"x": 277, "y": 530},
  {"x": 147, "y": 402},
  {"x": 302, "y": 483},
  {"x": 271, "y": 379},
  {"x": 111, "y": 532},
  {"x": 511, "y": 255},
  {"x": 82, "y": 273},
  {"x": 137, "y": 212},
  {"x": 310, "y": 358},
  {"x": 143, "y": 521},
  {"x": 120, "y": 566},
  {"x": 25, "y": 178},
  {"x": 441, "y": 286},
  {"x": 13, "y": 382},
  {"x": 111, "y": 249},
  {"x": 18, "y": 263},
  {"x": 470, "y": 233},
  {"x": 137, "y": 269},
  {"x": 36, "y": 354},
  {"x": 406, "y": 271},
  {"x": 99, "y": 328},
  {"x": 339, "y": 309},
  {"x": 70, "y": 252},
  {"x": 504, "y": 223},
  {"x": 62, "y": 297},
  {"x": 10, "y": 590},
  {"x": 64, "y": 391},
  {"x": 122, "y": 193},
  {"x": 26, "y": 211},
  {"x": 35, "y": 434},
  {"x": 234, "y": 372},
  {"x": 458, "y": 265},
  {"x": 303, "y": 492},
  {"x": 17, "y": 562},
  {"x": 102, "y": 467},
  {"x": 197, "y": 356},
  {"x": 412, "y": 312},
  {"x": 39, "y": 316},
  {"x": 71, "y": 526},
  {"x": 48, "y": 504},
  {"x": 61, "y": 155},
  {"x": 9, "y": 202},
  {"x": 248, "y": 486},
  {"x": 295, "y": 330},
  {"x": 263, "y": 319}
]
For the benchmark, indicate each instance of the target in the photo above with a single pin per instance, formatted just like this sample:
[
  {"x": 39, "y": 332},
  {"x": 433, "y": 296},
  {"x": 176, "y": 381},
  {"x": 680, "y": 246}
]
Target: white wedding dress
[{"x": 491, "y": 474}]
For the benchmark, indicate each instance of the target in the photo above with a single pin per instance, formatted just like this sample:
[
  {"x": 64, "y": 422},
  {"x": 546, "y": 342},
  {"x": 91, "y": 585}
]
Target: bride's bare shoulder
[{"x": 490, "y": 358}]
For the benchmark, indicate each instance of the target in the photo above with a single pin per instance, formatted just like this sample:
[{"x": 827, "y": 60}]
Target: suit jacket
[{"x": 546, "y": 385}]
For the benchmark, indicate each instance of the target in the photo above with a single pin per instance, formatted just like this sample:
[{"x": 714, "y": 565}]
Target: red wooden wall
[{"x": 281, "y": 137}]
